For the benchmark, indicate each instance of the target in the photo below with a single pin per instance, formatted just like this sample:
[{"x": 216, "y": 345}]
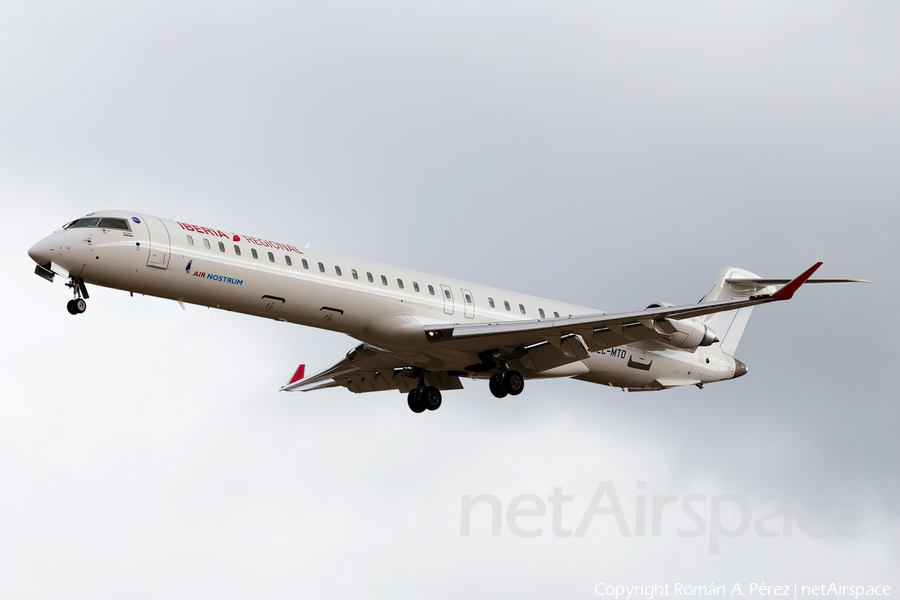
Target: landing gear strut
[
  {"x": 507, "y": 382},
  {"x": 77, "y": 305},
  {"x": 424, "y": 397}
]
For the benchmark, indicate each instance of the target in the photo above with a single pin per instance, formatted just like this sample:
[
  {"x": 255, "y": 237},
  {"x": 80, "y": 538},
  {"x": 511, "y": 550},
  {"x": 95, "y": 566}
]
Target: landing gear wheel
[
  {"x": 80, "y": 305},
  {"x": 71, "y": 307},
  {"x": 497, "y": 387},
  {"x": 416, "y": 401},
  {"x": 513, "y": 382},
  {"x": 432, "y": 398}
]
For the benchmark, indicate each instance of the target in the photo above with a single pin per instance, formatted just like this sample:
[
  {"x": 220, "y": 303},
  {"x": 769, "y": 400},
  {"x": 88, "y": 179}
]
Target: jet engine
[{"x": 684, "y": 335}]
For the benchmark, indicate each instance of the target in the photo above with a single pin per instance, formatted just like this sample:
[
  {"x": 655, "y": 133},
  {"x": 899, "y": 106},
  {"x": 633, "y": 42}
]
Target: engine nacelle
[{"x": 688, "y": 335}]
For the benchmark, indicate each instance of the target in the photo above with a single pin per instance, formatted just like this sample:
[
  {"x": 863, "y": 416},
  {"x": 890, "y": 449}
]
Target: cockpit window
[
  {"x": 114, "y": 223},
  {"x": 83, "y": 223},
  {"x": 106, "y": 223}
]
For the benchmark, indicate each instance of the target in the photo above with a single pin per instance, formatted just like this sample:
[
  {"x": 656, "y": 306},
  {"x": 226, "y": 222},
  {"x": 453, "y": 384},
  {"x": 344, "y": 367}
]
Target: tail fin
[{"x": 729, "y": 326}]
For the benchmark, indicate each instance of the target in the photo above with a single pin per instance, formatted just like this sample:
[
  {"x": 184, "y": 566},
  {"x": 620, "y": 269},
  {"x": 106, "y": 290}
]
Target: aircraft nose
[
  {"x": 40, "y": 252},
  {"x": 740, "y": 369}
]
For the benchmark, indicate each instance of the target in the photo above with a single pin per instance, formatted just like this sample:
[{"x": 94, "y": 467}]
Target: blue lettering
[{"x": 222, "y": 278}]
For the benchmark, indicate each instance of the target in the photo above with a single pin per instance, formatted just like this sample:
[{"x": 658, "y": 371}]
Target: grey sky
[{"x": 610, "y": 155}]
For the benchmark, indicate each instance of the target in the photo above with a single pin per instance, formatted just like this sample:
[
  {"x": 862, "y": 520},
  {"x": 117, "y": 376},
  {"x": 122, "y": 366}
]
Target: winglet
[
  {"x": 787, "y": 292},
  {"x": 298, "y": 375}
]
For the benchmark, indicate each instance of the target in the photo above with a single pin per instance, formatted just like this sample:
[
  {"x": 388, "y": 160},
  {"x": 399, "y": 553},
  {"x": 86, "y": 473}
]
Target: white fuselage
[{"x": 382, "y": 305}]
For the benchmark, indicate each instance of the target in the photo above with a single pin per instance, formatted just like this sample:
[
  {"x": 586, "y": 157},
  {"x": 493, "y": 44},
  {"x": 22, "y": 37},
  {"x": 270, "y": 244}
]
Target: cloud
[{"x": 609, "y": 156}]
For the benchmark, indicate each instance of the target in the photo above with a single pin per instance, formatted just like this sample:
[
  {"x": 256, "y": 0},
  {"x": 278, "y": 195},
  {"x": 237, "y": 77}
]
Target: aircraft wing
[
  {"x": 599, "y": 331},
  {"x": 534, "y": 345},
  {"x": 370, "y": 369}
]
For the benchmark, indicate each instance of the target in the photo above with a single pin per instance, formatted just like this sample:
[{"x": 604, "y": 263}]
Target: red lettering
[{"x": 255, "y": 241}]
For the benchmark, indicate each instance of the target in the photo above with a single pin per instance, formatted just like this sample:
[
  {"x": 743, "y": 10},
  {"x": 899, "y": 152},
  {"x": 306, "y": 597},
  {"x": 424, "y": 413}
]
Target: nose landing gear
[{"x": 77, "y": 305}]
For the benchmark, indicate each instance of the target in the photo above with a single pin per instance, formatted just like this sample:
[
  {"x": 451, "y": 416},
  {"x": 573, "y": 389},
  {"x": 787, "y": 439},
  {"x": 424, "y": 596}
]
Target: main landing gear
[
  {"x": 77, "y": 305},
  {"x": 507, "y": 382},
  {"x": 424, "y": 397}
]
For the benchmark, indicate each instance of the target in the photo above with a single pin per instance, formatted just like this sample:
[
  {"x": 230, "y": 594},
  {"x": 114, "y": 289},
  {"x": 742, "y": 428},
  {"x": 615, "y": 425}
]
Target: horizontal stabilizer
[{"x": 765, "y": 282}]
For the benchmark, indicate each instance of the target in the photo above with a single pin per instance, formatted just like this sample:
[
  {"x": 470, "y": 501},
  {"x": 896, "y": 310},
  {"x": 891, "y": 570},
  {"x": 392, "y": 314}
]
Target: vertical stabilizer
[{"x": 729, "y": 326}]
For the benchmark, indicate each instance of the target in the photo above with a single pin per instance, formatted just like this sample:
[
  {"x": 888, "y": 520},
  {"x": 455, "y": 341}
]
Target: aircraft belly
[{"x": 628, "y": 367}]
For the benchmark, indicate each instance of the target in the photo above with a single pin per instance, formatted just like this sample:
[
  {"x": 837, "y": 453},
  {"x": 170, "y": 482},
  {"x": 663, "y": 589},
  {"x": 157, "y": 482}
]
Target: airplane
[{"x": 420, "y": 333}]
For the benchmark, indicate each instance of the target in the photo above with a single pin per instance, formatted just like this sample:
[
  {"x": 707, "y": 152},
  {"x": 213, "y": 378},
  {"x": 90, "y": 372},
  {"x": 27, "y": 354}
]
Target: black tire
[
  {"x": 432, "y": 398},
  {"x": 415, "y": 401},
  {"x": 80, "y": 305},
  {"x": 71, "y": 307},
  {"x": 514, "y": 383},
  {"x": 497, "y": 387}
]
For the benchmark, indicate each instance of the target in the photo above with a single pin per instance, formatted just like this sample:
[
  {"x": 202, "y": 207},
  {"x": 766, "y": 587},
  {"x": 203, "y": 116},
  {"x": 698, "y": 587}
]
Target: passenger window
[
  {"x": 541, "y": 312},
  {"x": 415, "y": 286},
  {"x": 522, "y": 308},
  {"x": 431, "y": 290},
  {"x": 304, "y": 263},
  {"x": 271, "y": 257},
  {"x": 206, "y": 243},
  {"x": 337, "y": 270},
  {"x": 287, "y": 260},
  {"x": 447, "y": 295},
  {"x": 114, "y": 224},
  {"x": 370, "y": 278},
  {"x": 506, "y": 304},
  {"x": 221, "y": 247},
  {"x": 468, "y": 299},
  {"x": 190, "y": 241},
  {"x": 237, "y": 249},
  {"x": 384, "y": 280},
  {"x": 555, "y": 314},
  {"x": 491, "y": 302},
  {"x": 354, "y": 273},
  {"x": 253, "y": 253},
  {"x": 321, "y": 268},
  {"x": 400, "y": 283}
]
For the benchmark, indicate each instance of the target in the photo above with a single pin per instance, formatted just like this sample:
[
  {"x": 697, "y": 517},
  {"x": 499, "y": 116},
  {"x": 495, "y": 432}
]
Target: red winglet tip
[
  {"x": 298, "y": 374},
  {"x": 787, "y": 292}
]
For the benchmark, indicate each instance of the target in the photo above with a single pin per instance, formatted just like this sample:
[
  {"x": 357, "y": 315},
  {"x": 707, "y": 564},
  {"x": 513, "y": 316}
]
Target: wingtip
[
  {"x": 298, "y": 375},
  {"x": 787, "y": 292}
]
